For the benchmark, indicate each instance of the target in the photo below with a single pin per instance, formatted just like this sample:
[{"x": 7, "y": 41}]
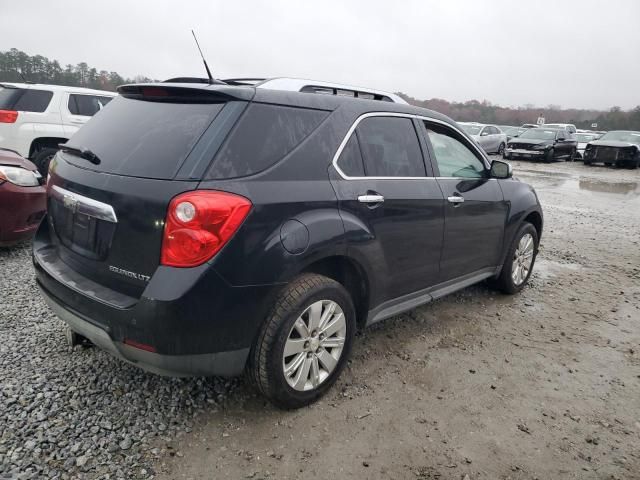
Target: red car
[{"x": 23, "y": 198}]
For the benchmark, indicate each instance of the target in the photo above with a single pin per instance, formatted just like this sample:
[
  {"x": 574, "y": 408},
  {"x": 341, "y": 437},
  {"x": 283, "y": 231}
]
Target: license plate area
[{"x": 85, "y": 235}]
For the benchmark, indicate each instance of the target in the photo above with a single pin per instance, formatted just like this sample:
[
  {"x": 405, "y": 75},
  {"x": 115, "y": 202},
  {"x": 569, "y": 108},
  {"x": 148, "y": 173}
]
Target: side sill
[{"x": 410, "y": 301}]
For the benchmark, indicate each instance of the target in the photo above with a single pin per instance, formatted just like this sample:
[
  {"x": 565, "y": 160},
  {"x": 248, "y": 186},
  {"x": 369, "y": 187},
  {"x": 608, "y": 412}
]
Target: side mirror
[{"x": 500, "y": 169}]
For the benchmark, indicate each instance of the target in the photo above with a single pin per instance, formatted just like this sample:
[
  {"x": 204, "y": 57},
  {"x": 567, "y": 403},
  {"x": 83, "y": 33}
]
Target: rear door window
[
  {"x": 390, "y": 147},
  {"x": 87, "y": 105},
  {"x": 264, "y": 135},
  {"x": 25, "y": 99},
  {"x": 143, "y": 138}
]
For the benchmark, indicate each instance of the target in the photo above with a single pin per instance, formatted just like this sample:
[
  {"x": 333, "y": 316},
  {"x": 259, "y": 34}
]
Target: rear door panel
[{"x": 400, "y": 235}]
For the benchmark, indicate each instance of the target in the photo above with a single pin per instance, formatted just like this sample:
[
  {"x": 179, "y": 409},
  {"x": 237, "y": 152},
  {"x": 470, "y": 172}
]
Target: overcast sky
[{"x": 573, "y": 53}]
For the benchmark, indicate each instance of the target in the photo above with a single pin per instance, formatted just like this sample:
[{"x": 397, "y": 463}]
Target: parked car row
[
  {"x": 558, "y": 141},
  {"x": 36, "y": 118}
]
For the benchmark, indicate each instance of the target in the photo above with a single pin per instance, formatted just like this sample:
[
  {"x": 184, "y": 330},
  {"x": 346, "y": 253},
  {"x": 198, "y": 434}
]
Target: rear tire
[
  {"x": 517, "y": 253},
  {"x": 290, "y": 325},
  {"x": 572, "y": 155},
  {"x": 42, "y": 159}
]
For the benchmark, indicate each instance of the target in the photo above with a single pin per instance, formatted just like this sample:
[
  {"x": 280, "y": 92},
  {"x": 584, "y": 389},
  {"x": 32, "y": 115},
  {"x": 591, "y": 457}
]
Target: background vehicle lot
[{"x": 544, "y": 384}]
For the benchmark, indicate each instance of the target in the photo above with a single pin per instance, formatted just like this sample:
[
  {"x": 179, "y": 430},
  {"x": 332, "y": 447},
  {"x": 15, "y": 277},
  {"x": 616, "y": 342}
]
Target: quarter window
[
  {"x": 33, "y": 101},
  {"x": 453, "y": 156},
  {"x": 264, "y": 135},
  {"x": 350, "y": 161},
  {"x": 87, "y": 105},
  {"x": 390, "y": 147}
]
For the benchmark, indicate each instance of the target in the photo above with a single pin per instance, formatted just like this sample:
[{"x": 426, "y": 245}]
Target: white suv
[{"x": 35, "y": 118}]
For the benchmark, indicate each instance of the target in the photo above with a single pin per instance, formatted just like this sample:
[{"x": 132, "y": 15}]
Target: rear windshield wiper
[{"x": 80, "y": 152}]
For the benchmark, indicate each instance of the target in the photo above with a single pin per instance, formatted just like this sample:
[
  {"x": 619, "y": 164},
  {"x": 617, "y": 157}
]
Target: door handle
[
  {"x": 371, "y": 199},
  {"x": 455, "y": 199}
]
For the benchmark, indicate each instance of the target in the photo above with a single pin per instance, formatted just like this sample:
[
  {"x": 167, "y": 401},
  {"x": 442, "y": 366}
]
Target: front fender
[{"x": 523, "y": 201}]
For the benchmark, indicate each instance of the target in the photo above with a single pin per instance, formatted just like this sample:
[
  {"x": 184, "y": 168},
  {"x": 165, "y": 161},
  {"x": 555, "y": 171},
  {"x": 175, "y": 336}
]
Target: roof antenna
[{"x": 211, "y": 81}]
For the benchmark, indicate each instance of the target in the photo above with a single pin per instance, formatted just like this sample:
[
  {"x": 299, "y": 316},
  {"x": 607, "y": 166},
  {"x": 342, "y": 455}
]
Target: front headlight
[
  {"x": 19, "y": 176},
  {"x": 540, "y": 147}
]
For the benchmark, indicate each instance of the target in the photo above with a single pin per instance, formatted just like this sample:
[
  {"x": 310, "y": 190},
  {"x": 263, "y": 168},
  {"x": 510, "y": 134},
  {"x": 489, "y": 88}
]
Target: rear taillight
[
  {"x": 8, "y": 116},
  {"x": 199, "y": 224}
]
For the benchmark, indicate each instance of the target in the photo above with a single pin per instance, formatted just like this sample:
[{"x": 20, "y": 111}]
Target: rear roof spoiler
[{"x": 185, "y": 92}]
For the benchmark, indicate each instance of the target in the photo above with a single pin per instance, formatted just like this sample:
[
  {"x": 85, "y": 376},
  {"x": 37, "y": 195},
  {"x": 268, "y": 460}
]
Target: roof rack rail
[
  {"x": 300, "y": 85},
  {"x": 329, "y": 88}
]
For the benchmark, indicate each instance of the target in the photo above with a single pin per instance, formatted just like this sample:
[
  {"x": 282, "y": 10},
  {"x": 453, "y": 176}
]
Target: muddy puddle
[{"x": 582, "y": 185}]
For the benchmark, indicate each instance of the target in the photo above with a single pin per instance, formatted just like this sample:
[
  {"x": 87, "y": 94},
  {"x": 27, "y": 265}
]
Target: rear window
[
  {"x": 143, "y": 138},
  {"x": 87, "y": 105},
  {"x": 264, "y": 135},
  {"x": 24, "y": 100}
]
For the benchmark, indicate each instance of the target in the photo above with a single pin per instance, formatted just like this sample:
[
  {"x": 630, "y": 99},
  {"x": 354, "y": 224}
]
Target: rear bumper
[
  {"x": 230, "y": 363},
  {"x": 191, "y": 320},
  {"x": 21, "y": 209}
]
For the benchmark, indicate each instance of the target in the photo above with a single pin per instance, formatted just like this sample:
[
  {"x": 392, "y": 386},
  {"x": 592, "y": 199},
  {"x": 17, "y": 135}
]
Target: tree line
[{"x": 18, "y": 66}]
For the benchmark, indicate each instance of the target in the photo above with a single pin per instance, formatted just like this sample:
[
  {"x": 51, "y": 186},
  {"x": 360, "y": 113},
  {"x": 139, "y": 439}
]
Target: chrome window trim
[
  {"x": 334, "y": 162},
  {"x": 85, "y": 205}
]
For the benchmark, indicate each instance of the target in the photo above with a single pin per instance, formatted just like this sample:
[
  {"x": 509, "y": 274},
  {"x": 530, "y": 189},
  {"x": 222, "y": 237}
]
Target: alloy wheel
[
  {"x": 314, "y": 345},
  {"x": 522, "y": 259}
]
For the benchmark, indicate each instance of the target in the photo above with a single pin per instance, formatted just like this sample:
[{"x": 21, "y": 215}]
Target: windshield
[
  {"x": 586, "y": 137},
  {"x": 631, "y": 137},
  {"x": 472, "y": 129},
  {"x": 513, "y": 130},
  {"x": 539, "y": 134}
]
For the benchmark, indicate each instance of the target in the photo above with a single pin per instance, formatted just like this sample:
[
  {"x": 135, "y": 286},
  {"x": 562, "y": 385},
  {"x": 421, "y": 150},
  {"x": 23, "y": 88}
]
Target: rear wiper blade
[{"x": 80, "y": 152}]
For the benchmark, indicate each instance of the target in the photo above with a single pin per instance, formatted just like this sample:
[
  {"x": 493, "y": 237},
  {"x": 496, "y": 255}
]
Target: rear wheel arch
[
  {"x": 351, "y": 275},
  {"x": 45, "y": 142}
]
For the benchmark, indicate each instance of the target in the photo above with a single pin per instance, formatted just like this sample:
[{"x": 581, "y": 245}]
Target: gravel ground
[
  {"x": 80, "y": 413},
  {"x": 477, "y": 385}
]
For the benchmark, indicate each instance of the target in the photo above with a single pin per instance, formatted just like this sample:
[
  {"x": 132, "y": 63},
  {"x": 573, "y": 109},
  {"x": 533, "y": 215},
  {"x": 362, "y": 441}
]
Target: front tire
[
  {"x": 549, "y": 156},
  {"x": 42, "y": 159},
  {"x": 501, "y": 149},
  {"x": 304, "y": 343},
  {"x": 519, "y": 260}
]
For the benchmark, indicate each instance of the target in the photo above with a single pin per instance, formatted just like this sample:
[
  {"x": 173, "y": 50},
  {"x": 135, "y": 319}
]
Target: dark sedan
[
  {"x": 547, "y": 144},
  {"x": 619, "y": 147},
  {"x": 23, "y": 198}
]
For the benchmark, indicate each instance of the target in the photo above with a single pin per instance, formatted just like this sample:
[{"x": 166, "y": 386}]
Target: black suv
[
  {"x": 544, "y": 143},
  {"x": 198, "y": 229}
]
